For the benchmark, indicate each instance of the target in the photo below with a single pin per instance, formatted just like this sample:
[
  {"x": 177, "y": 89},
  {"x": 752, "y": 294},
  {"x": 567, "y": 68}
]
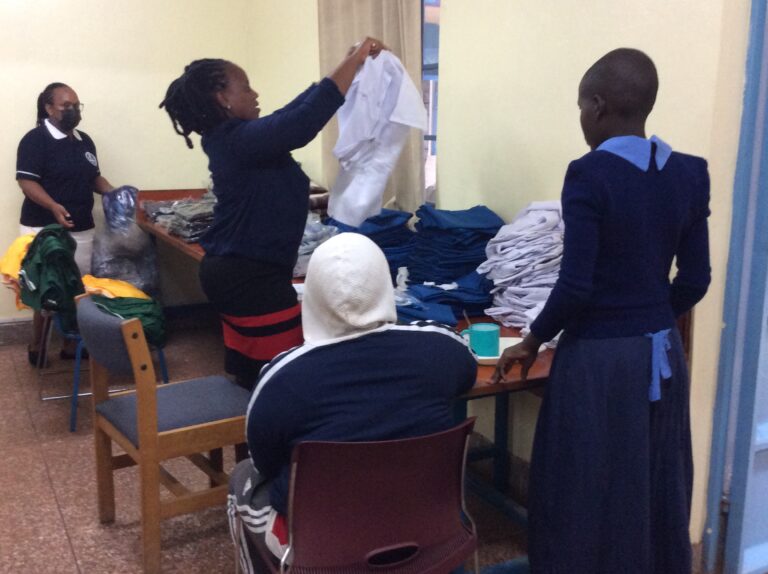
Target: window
[{"x": 430, "y": 42}]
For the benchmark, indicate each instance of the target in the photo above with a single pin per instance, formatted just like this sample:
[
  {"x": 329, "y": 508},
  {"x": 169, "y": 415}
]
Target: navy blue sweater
[
  {"x": 263, "y": 196},
  {"x": 396, "y": 382},
  {"x": 623, "y": 229}
]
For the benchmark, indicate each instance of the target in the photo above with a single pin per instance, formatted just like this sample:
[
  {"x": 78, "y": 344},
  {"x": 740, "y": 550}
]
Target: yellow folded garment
[
  {"x": 112, "y": 288},
  {"x": 10, "y": 264}
]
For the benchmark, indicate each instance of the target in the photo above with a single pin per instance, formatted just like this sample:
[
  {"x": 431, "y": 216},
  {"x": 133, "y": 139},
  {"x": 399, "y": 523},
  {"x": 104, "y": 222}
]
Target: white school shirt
[{"x": 381, "y": 106}]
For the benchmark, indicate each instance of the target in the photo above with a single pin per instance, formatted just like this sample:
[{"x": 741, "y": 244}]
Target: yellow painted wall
[
  {"x": 508, "y": 126},
  {"x": 508, "y": 122},
  {"x": 285, "y": 60},
  {"x": 119, "y": 57}
]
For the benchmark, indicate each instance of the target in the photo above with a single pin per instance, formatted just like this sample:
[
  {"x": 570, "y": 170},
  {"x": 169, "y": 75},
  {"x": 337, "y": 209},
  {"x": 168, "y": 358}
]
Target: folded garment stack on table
[
  {"x": 389, "y": 230},
  {"x": 470, "y": 294},
  {"x": 188, "y": 218},
  {"x": 414, "y": 310},
  {"x": 446, "y": 249},
  {"x": 315, "y": 234},
  {"x": 523, "y": 263},
  {"x": 450, "y": 244},
  {"x": 447, "y": 302}
]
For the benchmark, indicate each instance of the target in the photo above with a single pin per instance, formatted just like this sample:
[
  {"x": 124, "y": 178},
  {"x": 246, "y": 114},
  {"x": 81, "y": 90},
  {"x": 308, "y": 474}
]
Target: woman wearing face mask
[{"x": 58, "y": 172}]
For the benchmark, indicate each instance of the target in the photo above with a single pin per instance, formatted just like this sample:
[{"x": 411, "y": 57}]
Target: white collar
[{"x": 57, "y": 133}]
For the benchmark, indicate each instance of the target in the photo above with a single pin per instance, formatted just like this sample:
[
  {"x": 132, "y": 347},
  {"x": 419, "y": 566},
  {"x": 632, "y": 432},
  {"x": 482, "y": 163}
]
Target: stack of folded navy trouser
[
  {"x": 470, "y": 294},
  {"x": 389, "y": 230},
  {"x": 417, "y": 310},
  {"x": 450, "y": 244}
]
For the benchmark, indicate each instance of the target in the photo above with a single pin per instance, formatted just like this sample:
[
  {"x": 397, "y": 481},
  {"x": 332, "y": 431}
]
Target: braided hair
[
  {"x": 46, "y": 98},
  {"x": 190, "y": 99}
]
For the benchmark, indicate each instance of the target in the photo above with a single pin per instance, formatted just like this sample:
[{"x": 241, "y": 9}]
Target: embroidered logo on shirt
[{"x": 91, "y": 158}]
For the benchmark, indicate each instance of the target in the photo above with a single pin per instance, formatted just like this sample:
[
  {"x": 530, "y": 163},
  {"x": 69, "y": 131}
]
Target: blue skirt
[{"x": 611, "y": 472}]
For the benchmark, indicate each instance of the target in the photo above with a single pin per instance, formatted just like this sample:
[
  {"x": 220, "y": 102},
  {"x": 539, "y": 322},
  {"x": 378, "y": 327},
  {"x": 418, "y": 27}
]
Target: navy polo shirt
[{"x": 65, "y": 167}]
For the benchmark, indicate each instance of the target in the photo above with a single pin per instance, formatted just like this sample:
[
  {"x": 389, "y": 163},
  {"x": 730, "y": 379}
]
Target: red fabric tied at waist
[{"x": 262, "y": 337}]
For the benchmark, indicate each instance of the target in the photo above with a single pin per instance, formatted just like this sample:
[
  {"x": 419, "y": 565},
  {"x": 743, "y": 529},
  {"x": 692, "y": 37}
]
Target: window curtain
[{"x": 397, "y": 23}]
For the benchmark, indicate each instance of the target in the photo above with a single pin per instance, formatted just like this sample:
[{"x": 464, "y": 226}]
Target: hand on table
[{"x": 524, "y": 353}]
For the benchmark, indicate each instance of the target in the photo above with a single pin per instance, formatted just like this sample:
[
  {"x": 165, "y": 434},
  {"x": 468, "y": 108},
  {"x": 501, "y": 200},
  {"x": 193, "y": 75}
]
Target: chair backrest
[
  {"x": 103, "y": 337},
  {"x": 391, "y": 505}
]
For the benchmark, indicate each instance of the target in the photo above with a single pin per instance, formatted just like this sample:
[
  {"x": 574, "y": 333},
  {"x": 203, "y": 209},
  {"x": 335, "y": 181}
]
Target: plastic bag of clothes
[
  {"x": 120, "y": 207},
  {"x": 122, "y": 250}
]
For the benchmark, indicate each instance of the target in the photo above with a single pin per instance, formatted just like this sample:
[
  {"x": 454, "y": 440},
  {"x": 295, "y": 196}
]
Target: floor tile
[{"x": 33, "y": 536}]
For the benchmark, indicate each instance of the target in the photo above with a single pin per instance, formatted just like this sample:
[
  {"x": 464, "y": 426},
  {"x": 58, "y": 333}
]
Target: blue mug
[{"x": 483, "y": 338}]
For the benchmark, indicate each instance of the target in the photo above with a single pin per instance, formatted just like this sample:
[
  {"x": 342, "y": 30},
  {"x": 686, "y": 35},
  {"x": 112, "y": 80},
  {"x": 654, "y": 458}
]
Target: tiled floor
[{"x": 48, "y": 520}]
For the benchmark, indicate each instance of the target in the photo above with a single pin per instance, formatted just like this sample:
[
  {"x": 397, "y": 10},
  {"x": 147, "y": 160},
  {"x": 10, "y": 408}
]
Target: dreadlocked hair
[
  {"x": 190, "y": 100},
  {"x": 46, "y": 98}
]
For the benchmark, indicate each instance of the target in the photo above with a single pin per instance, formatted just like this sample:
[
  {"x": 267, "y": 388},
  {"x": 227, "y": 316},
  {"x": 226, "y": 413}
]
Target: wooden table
[
  {"x": 498, "y": 451},
  {"x": 318, "y": 203}
]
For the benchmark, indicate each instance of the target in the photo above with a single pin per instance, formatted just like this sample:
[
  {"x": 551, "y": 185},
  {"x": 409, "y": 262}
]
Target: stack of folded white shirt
[{"x": 523, "y": 263}]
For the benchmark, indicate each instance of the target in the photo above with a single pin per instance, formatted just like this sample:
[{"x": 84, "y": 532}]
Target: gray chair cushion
[{"x": 180, "y": 405}]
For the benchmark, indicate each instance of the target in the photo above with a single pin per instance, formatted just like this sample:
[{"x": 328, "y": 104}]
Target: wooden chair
[
  {"x": 50, "y": 320},
  {"x": 155, "y": 423},
  {"x": 394, "y": 507}
]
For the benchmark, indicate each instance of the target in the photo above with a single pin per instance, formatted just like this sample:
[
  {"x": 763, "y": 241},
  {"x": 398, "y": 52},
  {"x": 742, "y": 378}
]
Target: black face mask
[{"x": 70, "y": 118}]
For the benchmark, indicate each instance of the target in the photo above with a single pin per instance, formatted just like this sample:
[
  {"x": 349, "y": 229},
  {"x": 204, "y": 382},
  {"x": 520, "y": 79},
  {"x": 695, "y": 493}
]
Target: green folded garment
[
  {"x": 148, "y": 311},
  {"x": 49, "y": 276}
]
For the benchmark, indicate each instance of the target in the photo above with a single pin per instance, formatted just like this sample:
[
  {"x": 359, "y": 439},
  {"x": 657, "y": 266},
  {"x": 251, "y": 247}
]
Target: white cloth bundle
[
  {"x": 381, "y": 107},
  {"x": 524, "y": 262}
]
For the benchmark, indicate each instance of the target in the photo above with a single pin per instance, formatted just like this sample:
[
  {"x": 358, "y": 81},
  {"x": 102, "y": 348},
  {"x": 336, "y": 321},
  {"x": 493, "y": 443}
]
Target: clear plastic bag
[
  {"x": 120, "y": 207},
  {"x": 128, "y": 255}
]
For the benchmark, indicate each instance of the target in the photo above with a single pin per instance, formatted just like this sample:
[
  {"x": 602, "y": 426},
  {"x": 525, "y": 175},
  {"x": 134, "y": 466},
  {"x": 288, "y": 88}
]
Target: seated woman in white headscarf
[{"x": 371, "y": 380}]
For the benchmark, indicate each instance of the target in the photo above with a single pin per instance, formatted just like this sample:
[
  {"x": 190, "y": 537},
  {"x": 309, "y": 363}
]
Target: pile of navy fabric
[
  {"x": 389, "y": 230},
  {"x": 449, "y": 246},
  {"x": 447, "y": 302}
]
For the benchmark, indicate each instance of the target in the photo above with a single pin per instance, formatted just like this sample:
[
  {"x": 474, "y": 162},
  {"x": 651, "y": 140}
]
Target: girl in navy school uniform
[{"x": 612, "y": 470}]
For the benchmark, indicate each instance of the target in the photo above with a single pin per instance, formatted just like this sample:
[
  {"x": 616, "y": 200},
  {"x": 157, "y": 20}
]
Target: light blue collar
[{"x": 637, "y": 150}]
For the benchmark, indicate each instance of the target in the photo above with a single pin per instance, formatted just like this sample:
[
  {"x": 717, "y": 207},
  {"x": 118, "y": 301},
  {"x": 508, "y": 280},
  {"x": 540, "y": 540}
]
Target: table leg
[{"x": 501, "y": 442}]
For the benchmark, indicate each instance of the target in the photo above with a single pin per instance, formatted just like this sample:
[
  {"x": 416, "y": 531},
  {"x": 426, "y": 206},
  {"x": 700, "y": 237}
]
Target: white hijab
[{"x": 348, "y": 290}]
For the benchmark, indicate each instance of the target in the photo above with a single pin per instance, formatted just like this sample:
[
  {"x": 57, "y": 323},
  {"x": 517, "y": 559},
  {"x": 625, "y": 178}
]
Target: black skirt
[
  {"x": 259, "y": 311},
  {"x": 611, "y": 472}
]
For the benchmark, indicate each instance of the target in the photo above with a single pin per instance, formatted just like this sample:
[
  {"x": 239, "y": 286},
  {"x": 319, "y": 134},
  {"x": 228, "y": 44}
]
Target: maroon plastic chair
[{"x": 395, "y": 507}]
